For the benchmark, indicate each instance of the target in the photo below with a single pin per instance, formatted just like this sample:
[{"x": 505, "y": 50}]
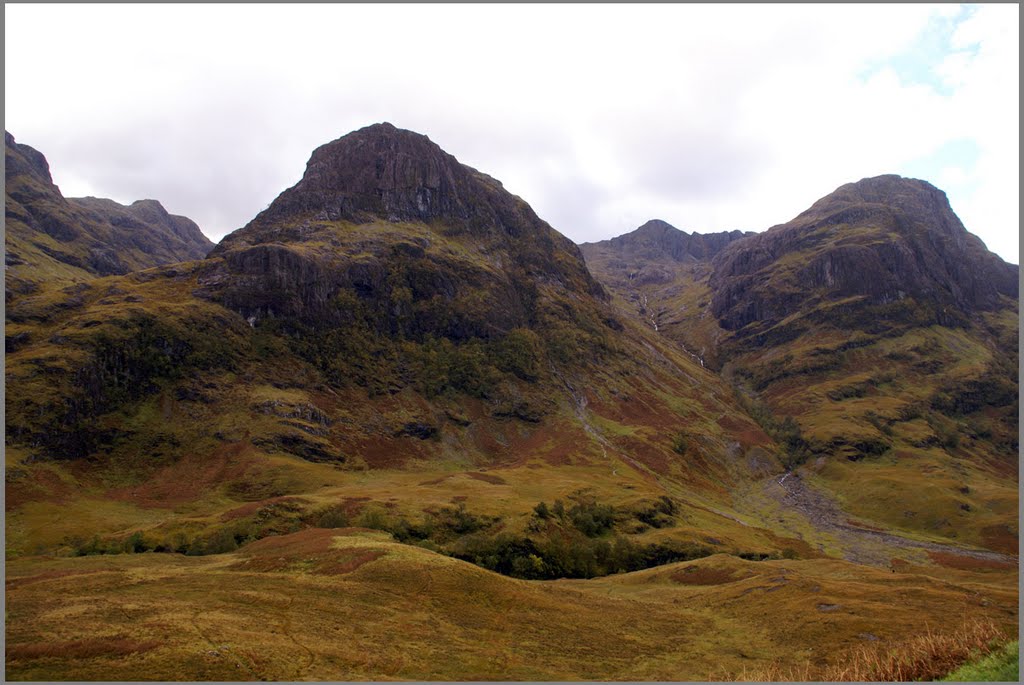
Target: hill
[
  {"x": 351, "y": 604},
  {"x": 55, "y": 240}
]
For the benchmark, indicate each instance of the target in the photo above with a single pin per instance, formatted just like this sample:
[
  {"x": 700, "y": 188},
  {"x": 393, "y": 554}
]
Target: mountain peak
[
  {"x": 916, "y": 201},
  {"x": 885, "y": 239},
  {"x": 657, "y": 226},
  {"x": 657, "y": 237},
  {"x": 382, "y": 172},
  {"x": 24, "y": 159}
]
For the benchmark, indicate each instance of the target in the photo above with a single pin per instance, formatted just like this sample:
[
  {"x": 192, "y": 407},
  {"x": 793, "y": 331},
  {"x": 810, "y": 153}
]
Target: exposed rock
[
  {"x": 416, "y": 202},
  {"x": 881, "y": 239},
  {"x": 384, "y": 174}
]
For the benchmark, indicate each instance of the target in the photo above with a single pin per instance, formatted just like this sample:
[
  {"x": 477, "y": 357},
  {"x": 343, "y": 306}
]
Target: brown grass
[
  {"x": 118, "y": 645},
  {"x": 699, "y": 575},
  {"x": 252, "y": 507},
  {"x": 966, "y": 563},
  {"x": 926, "y": 657},
  {"x": 50, "y": 575},
  {"x": 487, "y": 478}
]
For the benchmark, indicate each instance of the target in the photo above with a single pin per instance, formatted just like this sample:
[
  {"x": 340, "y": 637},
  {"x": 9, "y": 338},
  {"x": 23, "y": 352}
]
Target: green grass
[{"x": 1001, "y": 666}]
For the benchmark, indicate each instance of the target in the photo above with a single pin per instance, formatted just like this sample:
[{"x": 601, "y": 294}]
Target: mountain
[
  {"x": 659, "y": 274},
  {"x": 882, "y": 241},
  {"x": 393, "y": 313},
  {"x": 53, "y": 239},
  {"x": 399, "y": 401},
  {"x": 873, "y": 336}
]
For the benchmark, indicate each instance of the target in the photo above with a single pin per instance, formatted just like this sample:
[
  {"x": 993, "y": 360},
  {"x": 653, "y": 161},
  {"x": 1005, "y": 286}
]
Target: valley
[{"x": 399, "y": 427}]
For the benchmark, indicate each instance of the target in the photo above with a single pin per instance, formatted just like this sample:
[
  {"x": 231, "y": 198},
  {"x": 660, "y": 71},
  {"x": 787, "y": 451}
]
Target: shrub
[
  {"x": 135, "y": 543},
  {"x": 680, "y": 443},
  {"x": 375, "y": 517},
  {"x": 659, "y": 514},
  {"x": 332, "y": 517}
]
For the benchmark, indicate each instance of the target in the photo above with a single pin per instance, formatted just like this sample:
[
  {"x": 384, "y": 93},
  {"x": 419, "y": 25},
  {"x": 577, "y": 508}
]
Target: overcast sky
[{"x": 601, "y": 117}]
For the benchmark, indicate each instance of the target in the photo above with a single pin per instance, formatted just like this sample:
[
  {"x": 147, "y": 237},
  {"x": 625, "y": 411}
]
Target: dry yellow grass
[
  {"x": 354, "y": 605},
  {"x": 930, "y": 656}
]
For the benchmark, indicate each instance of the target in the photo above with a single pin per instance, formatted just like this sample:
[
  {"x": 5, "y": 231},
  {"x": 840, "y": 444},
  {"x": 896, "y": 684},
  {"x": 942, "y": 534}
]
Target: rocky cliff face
[
  {"x": 51, "y": 238},
  {"x": 882, "y": 240},
  {"x": 385, "y": 215}
]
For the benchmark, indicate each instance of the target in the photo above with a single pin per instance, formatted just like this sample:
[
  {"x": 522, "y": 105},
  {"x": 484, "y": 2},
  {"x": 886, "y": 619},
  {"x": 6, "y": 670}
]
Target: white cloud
[{"x": 710, "y": 117}]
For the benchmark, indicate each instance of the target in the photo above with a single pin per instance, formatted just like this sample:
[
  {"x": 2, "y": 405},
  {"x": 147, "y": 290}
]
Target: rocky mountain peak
[
  {"x": 885, "y": 239},
  {"x": 382, "y": 172},
  {"x": 383, "y": 198},
  {"x": 26, "y": 161},
  {"x": 913, "y": 200},
  {"x": 657, "y": 238}
]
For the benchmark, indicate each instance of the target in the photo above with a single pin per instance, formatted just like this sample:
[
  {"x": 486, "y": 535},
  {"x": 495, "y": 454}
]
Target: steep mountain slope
[
  {"x": 392, "y": 324},
  {"x": 881, "y": 240},
  {"x": 890, "y": 334},
  {"x": 195, "y": 453},
  {"x": 661, "y": 274},
  {"x": 51, "y": 239},
  {"x": 877, "y": 340}
]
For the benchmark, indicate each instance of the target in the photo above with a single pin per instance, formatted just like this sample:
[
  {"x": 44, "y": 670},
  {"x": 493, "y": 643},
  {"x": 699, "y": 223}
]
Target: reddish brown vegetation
[
  {"x": 487, "y": 478},
  {"x": 118, "y": 645},
  {"x": 749, "y": 434},
  {"x": 699, "y": 575},
  {"x": 190, "y": 477},
  {"x": 1001, "y": 538},
  {"x": 925, "y": 657},
  {"x": 34, "y": 486},
  {"x": 965, "y": 563},
  {"x": 308, "y": 550}
]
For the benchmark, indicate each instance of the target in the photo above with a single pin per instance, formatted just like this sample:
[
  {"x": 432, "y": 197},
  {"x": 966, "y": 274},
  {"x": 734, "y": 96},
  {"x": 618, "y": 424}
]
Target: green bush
[
  {"x": 332, "y": 517},
  {"x": 679, "y": 443}
]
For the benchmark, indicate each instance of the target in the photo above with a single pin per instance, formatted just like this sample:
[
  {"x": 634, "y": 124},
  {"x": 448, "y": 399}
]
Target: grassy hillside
[{"x": 331, "y": 605}]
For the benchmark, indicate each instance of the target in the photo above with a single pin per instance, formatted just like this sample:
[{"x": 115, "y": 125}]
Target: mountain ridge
[
  {"x": 399, "y": 388},
  {"x": 882, "y": 238},
  {"x": 58, "y": 240}
]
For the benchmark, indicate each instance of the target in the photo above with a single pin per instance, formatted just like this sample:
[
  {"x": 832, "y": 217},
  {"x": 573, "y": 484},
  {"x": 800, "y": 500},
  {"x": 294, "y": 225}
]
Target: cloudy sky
[{"x": 601, "y": 117}]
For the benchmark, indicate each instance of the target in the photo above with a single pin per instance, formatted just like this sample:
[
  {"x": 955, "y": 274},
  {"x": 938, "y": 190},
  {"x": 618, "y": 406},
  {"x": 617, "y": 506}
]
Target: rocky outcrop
[
  {"x": 881, "y": 239},
  {"x": 386, "y": 217}
]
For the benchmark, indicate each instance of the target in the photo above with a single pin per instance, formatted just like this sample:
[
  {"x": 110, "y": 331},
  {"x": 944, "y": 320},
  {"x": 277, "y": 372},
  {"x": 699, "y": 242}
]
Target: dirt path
[{"x": 858, "y": 545}]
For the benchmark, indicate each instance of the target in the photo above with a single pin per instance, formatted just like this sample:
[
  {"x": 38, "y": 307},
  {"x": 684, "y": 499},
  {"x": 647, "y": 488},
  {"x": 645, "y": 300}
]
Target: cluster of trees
[
  {"x": 574, "y": 538},
  {"x": 569, "y": 554},
  {"x": 785, "y": 431}
]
